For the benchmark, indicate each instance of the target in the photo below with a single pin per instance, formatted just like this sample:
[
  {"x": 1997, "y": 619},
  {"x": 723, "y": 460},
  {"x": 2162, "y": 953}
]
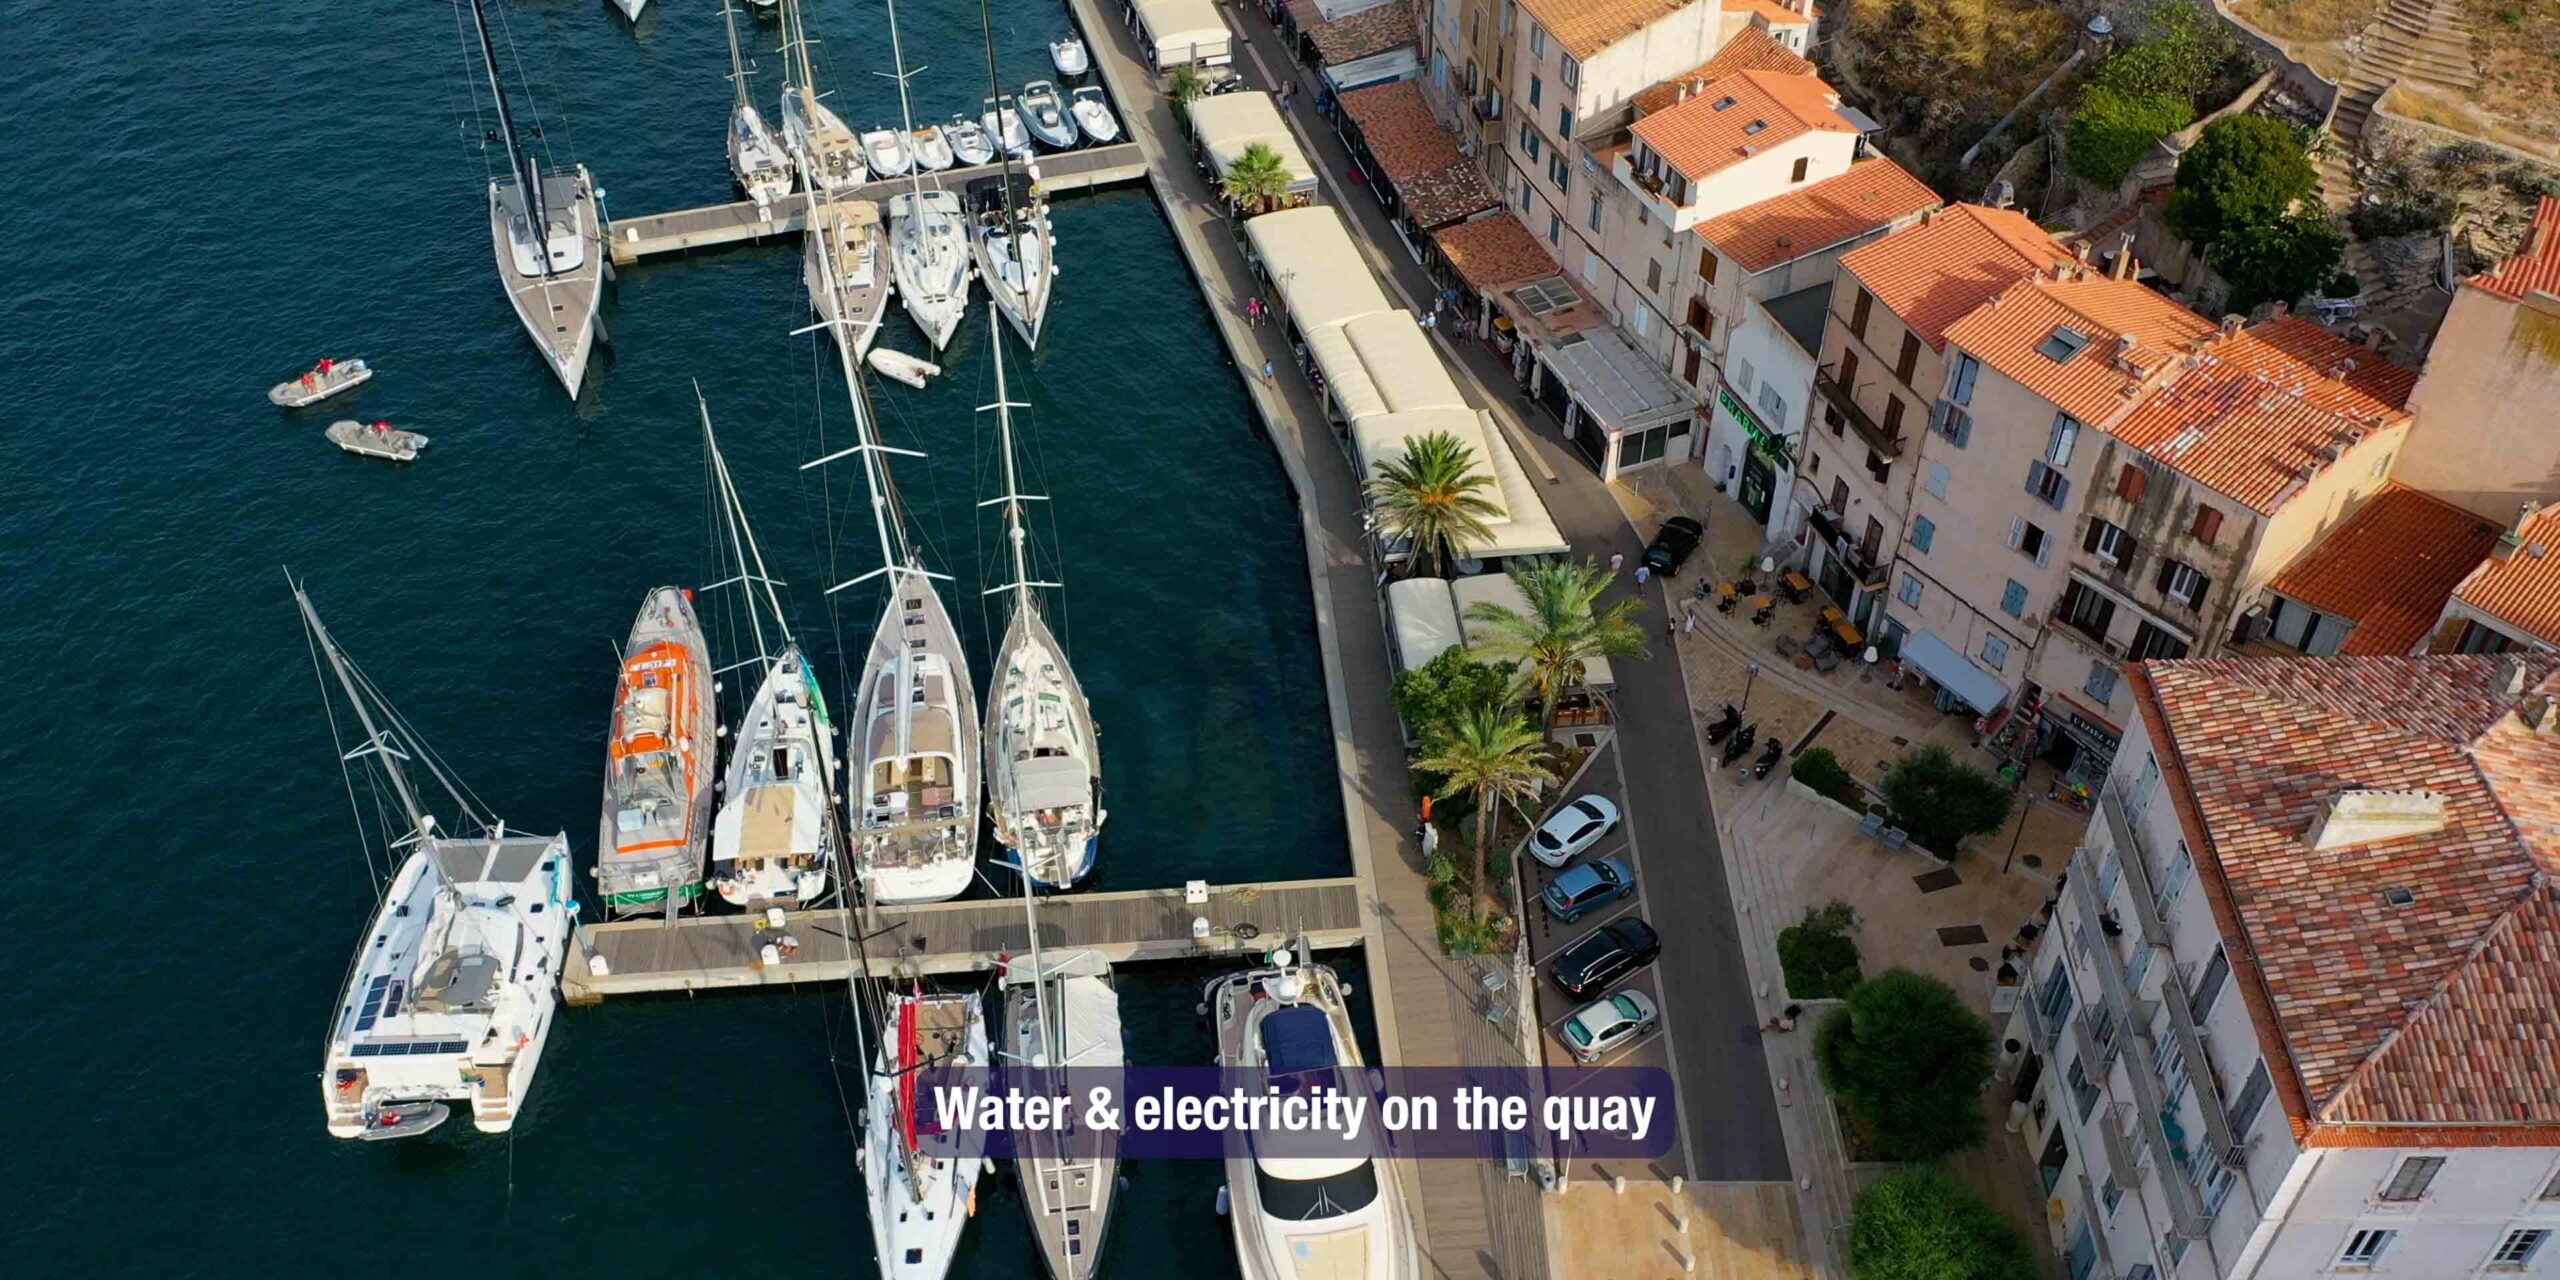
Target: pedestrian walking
[
  {"x": 1689, "y": 626},
  {"x": 1266, "y": 372},
  {"x": 1616, "y": 558},
  {"x": 1643, "y": 575}
]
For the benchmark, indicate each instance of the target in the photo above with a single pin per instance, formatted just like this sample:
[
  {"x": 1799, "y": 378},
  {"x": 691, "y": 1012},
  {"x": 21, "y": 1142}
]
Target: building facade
[{"x": 2488, "y": 404}]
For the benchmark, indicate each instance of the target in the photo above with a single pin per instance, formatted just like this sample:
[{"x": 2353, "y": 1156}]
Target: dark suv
[
  {"x": 1672, "y": 545},
  {"x": 1620, "y": 948}
]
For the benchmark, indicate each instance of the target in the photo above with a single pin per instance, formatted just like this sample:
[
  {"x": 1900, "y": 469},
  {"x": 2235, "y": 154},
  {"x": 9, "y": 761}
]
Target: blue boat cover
[{"x": 1297, "y": 1038}]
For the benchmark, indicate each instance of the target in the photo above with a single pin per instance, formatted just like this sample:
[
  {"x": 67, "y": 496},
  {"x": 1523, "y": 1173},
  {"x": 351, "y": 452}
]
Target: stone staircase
[{"x": 2422, "y": 40}]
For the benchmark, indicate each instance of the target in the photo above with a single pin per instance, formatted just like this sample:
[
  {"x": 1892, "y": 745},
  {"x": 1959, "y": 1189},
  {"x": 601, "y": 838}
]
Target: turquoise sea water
[{"x": 207, "y": 197}]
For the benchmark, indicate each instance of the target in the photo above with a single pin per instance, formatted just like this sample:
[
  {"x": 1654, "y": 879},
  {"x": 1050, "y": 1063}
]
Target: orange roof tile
[
  {"x": 1874, "y": 193},
  {"x": 1750, "y": 49},
  {"x": 2257, "y": 411},
  {"x": 1929, "y": 276},
  {"x": 1586, "y": 27},
  {"x": 2388, "y": 568},
  {"x": 2093, "y": 383},
  {"x": 1762, "y": 109},
  {"x": 2522, "y": 590},
  {"x": 1769, "y": 11},
  {"x": 1400, "y": 130},
  {"x": 2536, "y": 267},
  {"x": 2440, "y": 1012},
  {"x": 1372, "y": 30},
  {"x": 1495, "y": 251}
]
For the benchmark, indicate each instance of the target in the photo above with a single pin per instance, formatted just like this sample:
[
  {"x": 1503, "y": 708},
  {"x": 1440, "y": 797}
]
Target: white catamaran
[
  {"x": 757, "y": 159},
  {"x": 928, "y": 238},
  {"x": 828, "y": 154},
  {"x": 549, "y": 237},
  {"x": 1300, "y": 1217},
  {"x": 1044, "y": 765},
  {"x": 453, "y": 988},
  {"x": 772, "y": 843},
  {"x": 659, "y": 762}
]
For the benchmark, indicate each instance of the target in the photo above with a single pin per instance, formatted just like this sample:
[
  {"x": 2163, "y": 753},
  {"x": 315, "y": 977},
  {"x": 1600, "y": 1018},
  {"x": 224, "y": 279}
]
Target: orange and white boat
[{"x": 659, "y": 763}]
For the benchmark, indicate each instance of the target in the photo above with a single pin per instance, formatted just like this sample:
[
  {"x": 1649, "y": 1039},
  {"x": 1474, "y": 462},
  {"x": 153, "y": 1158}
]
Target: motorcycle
[
  {"x": 1768, "y": 759},
  {"x": 1724, "y": 724},
  {"x": 1741, "y": 743}
]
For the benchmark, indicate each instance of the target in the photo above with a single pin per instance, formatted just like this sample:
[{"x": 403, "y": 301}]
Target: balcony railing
[
  {"x": 1827, "y": 385},
  {"x": 2135, "y": 861},
  {"x": 2150, "y": 1094},
  {"x": 2200, "y": 1068},
  {"x": 1487, "y": 107}
]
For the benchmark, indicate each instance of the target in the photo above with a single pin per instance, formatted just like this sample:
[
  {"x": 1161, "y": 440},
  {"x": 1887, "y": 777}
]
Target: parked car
[
  {"x": 1572, "y": 829},
  {"x": 1586, "y": 886},
  {"x": 1672, "y": 545},
  {"x": 1602, "y": 1025},
  {"x": 1617, "y": 949}
]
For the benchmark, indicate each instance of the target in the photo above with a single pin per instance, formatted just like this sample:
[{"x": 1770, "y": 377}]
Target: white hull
[
  {"x": 556, "y": 298},
  {"x": 1044, "y": 113},
  {"x": 1093, "y": 116},
  {"x": 771, "y": 844},
  {"x": 891, "y": 363},
  {"x": 1044, "y": 765},
  {"x": 920, "y": 1208},
  {"x": 912, "y": 756},
  {"x": 1068, "y": 1197},
  {"x": 1018, "y": 270},
  {"x": 296, "y": 393},
  {"x": 756, "y": 158},
  {"x": 931, "y": 148},
  {"x": 829, "y": 156},
  {"x": 970, "y": 145},
  {"x": 885, "y": 150},
  {"x": 1003, "y": 123},
  {"x": 1069, "y": 57},
  {"x": 929, "y": 256},
  {"x": 853, "y": 306},
  {"x": 358, "y": 438},
  {"x": 631, "y": 8}
]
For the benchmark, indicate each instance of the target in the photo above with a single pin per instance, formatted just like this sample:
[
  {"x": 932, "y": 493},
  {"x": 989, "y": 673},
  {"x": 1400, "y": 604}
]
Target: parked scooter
[
  {"x": 1724, "y": 724},
  {"x": 1740, "y": 744},
  {"x": 1768, "y": 760}
]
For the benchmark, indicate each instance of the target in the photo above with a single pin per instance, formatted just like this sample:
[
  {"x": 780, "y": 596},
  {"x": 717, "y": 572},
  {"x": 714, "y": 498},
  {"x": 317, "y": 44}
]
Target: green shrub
[
  {"x": 1941, "y": 800},
  {"x": 1920, "y": 1224},
  {"x": 1446, "y": 689},
  {"x": 1818, "y": 955},
  {"x": 1905, "y": 1061},
  {"x": 2242, "y": 169},
  {"x": 2278, "y": 259},
  {"x": 2179, "y": 52},
  {"x": 1822, "y": 771},
  {"x": 2110, "y": 131}
]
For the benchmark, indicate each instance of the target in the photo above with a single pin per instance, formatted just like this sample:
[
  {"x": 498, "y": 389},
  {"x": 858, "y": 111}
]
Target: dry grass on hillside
[
  {"x": 1939, "y": 72},
  {"x": 2517, "y": 46},
  {"x": 2309, "y": 20}
]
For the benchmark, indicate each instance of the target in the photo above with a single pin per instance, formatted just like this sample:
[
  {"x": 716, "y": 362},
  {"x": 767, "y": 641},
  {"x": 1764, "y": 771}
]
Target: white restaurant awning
[
  {"x": 1180, "y": 31},
  {"x": 1425, "y": 620},
  {"x": 1940, "y": 662},
  {"x": 1321, "y": 277},
  {"x": 1228, "y": 123}
]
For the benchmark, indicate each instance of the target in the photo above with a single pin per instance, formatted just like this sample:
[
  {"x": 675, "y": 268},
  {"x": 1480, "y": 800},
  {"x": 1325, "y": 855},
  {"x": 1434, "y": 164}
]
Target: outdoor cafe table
[
  {"x": 1799, "y": 581},
  {"x": 1848, "y": 634}
]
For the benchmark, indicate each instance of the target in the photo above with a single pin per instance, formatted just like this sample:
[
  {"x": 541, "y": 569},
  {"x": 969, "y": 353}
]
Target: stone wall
[{"x": 2318, "y": 89}]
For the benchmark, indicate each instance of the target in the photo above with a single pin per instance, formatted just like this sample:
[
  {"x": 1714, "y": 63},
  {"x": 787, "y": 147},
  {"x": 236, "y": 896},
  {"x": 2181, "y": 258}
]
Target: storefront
[
  {"x": 1843, "y": 570},
  {"x": 1620, "y": 411},
  {"x": 2078, "y": 745},
  {"x": 1765, "y": 470}
]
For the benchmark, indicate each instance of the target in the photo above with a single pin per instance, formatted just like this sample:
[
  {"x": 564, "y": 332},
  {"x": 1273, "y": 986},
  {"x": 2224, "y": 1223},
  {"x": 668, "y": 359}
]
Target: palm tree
[
  {"x": 1489, "y": 751},
  {"x": 1429, "y": 497},
  {"x": 1258, "y": 180},
  {"x": 1563, "y": 629}
]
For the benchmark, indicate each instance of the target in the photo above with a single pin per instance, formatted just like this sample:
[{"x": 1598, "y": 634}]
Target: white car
[
  {"x": 1602, "y": 1025},
  {"x": 1572, "y": 829}
]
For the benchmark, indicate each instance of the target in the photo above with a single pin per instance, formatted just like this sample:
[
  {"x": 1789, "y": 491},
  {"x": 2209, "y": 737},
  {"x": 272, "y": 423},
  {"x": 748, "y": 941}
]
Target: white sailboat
[
  {"x": 1298, "y": 1217},
  {"x": 772, "y": 843},
  {"x": 920, "y": 1204},
  {"x": 928, "y": 238},
  {"x": 844, "y": 262},
  {"x": 1009, "y": 233},
  {"x": 828, "y": 154},
  {"x": 1062, "y": 1017},
  {"x": 756, "y": 158},
  {"x": 549, "y": 239},
  {"x": 631, "y": 8},
  {"x": 452, "y": 992}
]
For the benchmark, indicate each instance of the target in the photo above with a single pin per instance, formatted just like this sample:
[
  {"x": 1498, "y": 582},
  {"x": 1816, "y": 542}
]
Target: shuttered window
[
  {"x": 2208, "y": 523},
  {"x": 2131, "y": 481}
]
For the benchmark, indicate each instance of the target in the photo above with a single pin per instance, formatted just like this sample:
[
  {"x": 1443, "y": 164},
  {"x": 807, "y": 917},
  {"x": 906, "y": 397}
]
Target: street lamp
[{"x": 1752, "y": 673}]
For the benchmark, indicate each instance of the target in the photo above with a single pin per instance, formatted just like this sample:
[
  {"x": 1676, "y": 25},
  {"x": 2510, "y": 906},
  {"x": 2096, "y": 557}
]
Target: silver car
[
  {"x": 1603, "y": 1025},
  {"x": 1572, "y": 829}
]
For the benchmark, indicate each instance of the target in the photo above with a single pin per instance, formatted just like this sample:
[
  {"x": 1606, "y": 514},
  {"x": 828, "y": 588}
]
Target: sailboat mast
[
  {"x": 1004, "y": 154},
  {"x": 528, "y": 172},
  {"x": 906, "y": 113},
  {"x": 737, "y": 59},
  {"x": 1013, "y": 495},
  {"x": 418, "y": 819},
  {"x": 742, "y": 540},
  {"x": 1052, "y": 1049}
]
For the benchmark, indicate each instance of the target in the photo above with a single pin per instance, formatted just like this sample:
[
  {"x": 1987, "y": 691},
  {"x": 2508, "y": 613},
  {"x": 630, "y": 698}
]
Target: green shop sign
[{"x": 1762, "y": 441}]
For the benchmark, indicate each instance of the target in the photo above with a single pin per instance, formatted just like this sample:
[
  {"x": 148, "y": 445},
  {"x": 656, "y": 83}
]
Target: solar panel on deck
[
  {"x": 1297, "y": 1038},
  {"x": 372, "y": 1003}
]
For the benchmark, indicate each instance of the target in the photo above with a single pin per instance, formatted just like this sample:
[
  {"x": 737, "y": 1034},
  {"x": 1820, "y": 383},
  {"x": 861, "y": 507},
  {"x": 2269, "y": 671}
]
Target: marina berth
[
  {"x": 1172, "y": 33},
  {"x": 1225, "y": 125}
]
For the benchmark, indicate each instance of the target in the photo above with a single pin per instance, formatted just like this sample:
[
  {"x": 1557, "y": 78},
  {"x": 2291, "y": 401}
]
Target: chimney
[
  {"x": 1685, "y": 86},
  {"x": 2514, "y": 682},
  {"x": 2357, "y": 817},
  {"x": 2080, "y": 251},
  {"x": 2124, "y": 256},
  {"x": 2514, "y": 536},
  {"x": 2373, "y": 338},
  {"x": 2278, "y": 311},
  {"x": 2539, "y": 714},
  {"x": 2125, "y": 343},
  {"x": 2231, "y": 325}
]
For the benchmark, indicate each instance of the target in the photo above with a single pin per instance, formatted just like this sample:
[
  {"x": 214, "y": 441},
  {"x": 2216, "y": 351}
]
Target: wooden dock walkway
[
  {"x": 649, "y": 235},
  {"x": 703, "y": 952}
]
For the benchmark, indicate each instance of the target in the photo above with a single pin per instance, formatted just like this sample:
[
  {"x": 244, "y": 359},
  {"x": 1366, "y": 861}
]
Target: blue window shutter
[
  {"x": 1922, "y": 532},
  {"x": 2013, "y": 600}
]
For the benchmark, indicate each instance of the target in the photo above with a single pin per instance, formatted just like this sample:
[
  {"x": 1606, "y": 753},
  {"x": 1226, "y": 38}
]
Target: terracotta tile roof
[
  {"x": 2523, "y": 590},
  {"x": 1769, "y": 11},
  {"x": 1929, "y": 276},
  {"x": 1459, "y": 191},
  {"x": 1750, "y": 49},
  {"x": 2439, "y": 1012},
  {"x": 1766, "y": 108},
  {"x": 1874, "y": 193},
  {"x": 2251, "y": 417},
  {"x": 1585, "y": 27},
  {"x": 1400, "y": 130},
  {"x": 2092, "y": 384},
  {"x": 2535, "y": 268},
  {"x": 2389, "y": 567},
  {"x": 1494, "y": 252},
  {"x": 1372, "y": 30}
]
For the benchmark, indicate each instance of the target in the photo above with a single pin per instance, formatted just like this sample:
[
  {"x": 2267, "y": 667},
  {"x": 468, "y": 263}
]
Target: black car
[
  {"x": 1622, "y": 947},
  {"x": 1673, "y": 544}
]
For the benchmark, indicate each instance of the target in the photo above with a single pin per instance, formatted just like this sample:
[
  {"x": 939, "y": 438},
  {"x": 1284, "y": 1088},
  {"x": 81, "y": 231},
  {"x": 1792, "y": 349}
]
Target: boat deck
[
  {"x": 706, "y": 952},
  {"x": 650, "y": 235}
]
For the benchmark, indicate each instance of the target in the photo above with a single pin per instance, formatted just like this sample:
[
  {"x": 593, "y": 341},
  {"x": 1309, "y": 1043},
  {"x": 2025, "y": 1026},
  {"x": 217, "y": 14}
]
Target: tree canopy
[
  {"x": 2242, "y": 169},
  {"x": 1448, "y": 688},
  {"x": 1563, "y": 629},
  {"x": 1920, "y": 1224},
  {"x": 2111, "y": 129},
  {"x": 1905, "y": 1060},
  {"x": 2278, "y": 260},
  {"x": 1940, "y": 800}
]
